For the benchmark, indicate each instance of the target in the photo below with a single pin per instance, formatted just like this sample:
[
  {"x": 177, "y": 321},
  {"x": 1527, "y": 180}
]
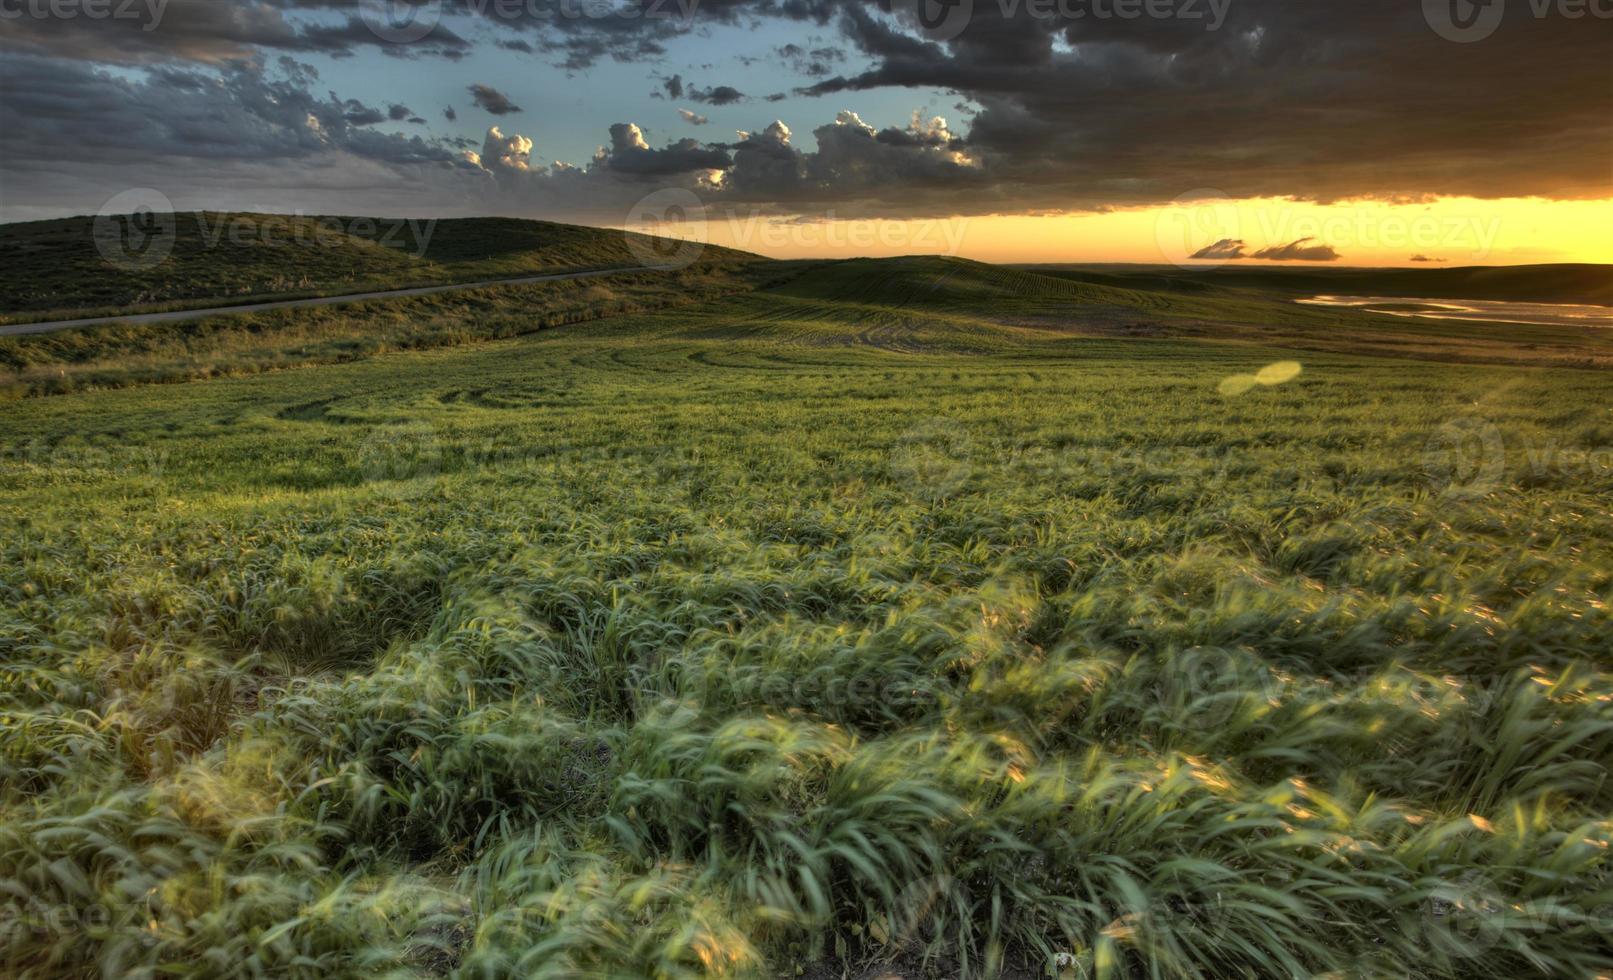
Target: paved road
[{"x": 19, "y": 329}]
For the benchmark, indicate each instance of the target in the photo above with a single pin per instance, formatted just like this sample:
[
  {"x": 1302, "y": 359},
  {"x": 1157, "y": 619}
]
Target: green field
[{"x": 909, "y": 615}]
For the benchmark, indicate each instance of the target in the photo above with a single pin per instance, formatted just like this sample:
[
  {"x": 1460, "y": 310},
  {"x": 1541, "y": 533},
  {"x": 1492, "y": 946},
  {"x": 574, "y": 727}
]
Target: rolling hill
[{"x": 58, "y": 266}]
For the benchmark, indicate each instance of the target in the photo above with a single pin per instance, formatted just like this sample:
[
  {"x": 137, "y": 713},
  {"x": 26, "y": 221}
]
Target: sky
[{"x": 1367, "y": 132}]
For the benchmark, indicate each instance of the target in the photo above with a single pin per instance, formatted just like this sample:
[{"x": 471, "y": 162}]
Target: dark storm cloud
[
  {"x": 630, "y": 154},
  {"x": 673, "y": 87},
  {"x": 717, "y": 95},
  {"x": 814, "y": 63},
  {"x": 1287, "y": 99},
  {"x": 358, "y": 114},
  {"x": 877, "y": 171},
  {"x": 492, "y": 100},
  {"x": 53, "y": 110},
  {"x": 1313, "y": 100},
  {"x": 213, "y": 31}
]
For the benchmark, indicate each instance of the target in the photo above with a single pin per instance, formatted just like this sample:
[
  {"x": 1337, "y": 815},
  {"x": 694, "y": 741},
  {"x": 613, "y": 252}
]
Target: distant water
[{"x": 1493, "y": 311}]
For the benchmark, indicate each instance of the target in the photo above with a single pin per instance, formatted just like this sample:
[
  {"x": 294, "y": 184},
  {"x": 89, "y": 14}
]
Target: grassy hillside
[
  {"x": 864, "y": 623},
  {"x": 119, "y": 355},
  {"x": 1563, "y": 283},
  {"x": 924, "y": 304},
  {"x": 56, "y": 265}
]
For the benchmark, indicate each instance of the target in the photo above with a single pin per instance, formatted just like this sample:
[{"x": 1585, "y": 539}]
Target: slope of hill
[
  {"x": 944, "y": 282},
  {"x": 61, "y": 265},
  {"x": 604, "y": 653},
  {"x": 1576, "y": 283},
  {"x": 912, "y": 305}
]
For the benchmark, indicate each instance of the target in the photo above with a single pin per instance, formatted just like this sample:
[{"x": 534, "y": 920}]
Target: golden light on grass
[{"x": 1279, "y": 372}]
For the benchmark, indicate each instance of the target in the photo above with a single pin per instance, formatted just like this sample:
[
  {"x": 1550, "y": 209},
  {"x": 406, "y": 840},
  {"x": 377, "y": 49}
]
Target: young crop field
[{"x": 831, "y": 629}]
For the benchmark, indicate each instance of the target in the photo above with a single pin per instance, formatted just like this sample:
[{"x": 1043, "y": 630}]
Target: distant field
[
  {"x": 1561, "y": 283},
  {"x": 911, "y": 615}
]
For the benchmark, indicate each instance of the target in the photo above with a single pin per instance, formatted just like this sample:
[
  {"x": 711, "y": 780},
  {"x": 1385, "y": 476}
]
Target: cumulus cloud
[
  {"x": 1226, "y": 248},
  {"x": 503, "y": 154},
  {"x": 1300, "y": 250},
  {"x": 492, "y": 100},
  {"x": 693, "y": 118}
]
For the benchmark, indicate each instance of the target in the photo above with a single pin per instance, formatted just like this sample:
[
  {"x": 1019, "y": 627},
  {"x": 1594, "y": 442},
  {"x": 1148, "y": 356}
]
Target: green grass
[
  {"x": 863, "y": 619},
  {"x": 122, "y": 354}
]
